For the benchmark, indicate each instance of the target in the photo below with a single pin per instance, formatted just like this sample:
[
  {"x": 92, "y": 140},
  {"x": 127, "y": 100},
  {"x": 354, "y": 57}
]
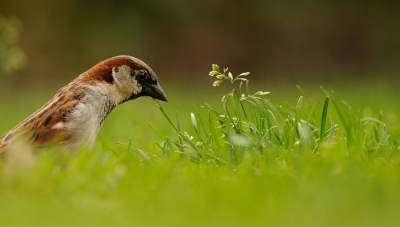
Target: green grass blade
[
  {"x": 304, "y": 94},
  {"x": 297, "y": 115},
  {"x": 323, "y": 118},
  {"x": 338, "y": 107},
  {"x": 212, "y": 110},
  {"x": 156, "y": 132},
  {"x": 166, "y": 117}
]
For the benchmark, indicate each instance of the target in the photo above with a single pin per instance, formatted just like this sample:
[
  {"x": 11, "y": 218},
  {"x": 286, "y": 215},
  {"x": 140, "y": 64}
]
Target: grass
[{"x": 247, "y": 162}]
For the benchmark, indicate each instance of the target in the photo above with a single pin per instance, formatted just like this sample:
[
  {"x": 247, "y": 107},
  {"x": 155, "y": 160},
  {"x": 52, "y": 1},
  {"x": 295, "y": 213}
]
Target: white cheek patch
[{"x": 126, "y": 84}]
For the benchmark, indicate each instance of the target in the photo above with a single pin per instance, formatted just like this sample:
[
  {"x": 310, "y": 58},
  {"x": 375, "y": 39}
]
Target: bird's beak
[{"x": 155, "y": 91}]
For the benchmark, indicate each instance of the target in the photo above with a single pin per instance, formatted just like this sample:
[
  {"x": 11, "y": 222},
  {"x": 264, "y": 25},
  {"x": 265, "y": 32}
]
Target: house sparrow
[{"x": 73, "y": 117}]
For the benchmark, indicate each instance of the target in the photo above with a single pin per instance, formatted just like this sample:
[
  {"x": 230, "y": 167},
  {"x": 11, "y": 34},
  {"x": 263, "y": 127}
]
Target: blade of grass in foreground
[
  {"x": 323, "y": 118},
  {"x": 338, "y": 107}
]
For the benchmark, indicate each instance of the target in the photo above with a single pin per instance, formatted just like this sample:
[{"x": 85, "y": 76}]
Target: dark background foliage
[{"x": 286, "y": 40}]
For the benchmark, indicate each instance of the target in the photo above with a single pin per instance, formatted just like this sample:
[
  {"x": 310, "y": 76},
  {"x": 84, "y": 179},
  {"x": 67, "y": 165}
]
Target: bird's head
[{"x": 126, "y": 78}]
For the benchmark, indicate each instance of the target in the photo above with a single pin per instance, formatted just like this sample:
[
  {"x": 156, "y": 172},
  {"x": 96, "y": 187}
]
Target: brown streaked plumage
[{"x": 75, "y": 114}]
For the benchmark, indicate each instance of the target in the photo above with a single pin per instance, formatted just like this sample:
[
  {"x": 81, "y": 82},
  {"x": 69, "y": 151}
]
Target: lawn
[{"x": 289, "y": 158}]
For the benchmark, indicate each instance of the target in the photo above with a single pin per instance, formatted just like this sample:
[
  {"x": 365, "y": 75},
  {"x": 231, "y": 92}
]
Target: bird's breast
[{"x": 87, "y": 118}]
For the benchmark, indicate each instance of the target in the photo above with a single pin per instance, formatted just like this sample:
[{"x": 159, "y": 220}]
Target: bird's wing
[{"x": 46, "y": 125}]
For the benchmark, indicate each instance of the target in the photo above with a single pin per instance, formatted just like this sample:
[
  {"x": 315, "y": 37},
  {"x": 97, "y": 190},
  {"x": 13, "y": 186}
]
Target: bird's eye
[{"x": 142, "y": 75}]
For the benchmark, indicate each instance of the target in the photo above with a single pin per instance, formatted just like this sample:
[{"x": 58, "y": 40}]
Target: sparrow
[{"x": 73, "y": 117}]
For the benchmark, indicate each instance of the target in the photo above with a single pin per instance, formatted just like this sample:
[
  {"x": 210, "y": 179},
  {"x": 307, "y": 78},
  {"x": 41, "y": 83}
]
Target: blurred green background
[
  {"x": 283, "y": 42},
  {"x": 351, "y": 46}
]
